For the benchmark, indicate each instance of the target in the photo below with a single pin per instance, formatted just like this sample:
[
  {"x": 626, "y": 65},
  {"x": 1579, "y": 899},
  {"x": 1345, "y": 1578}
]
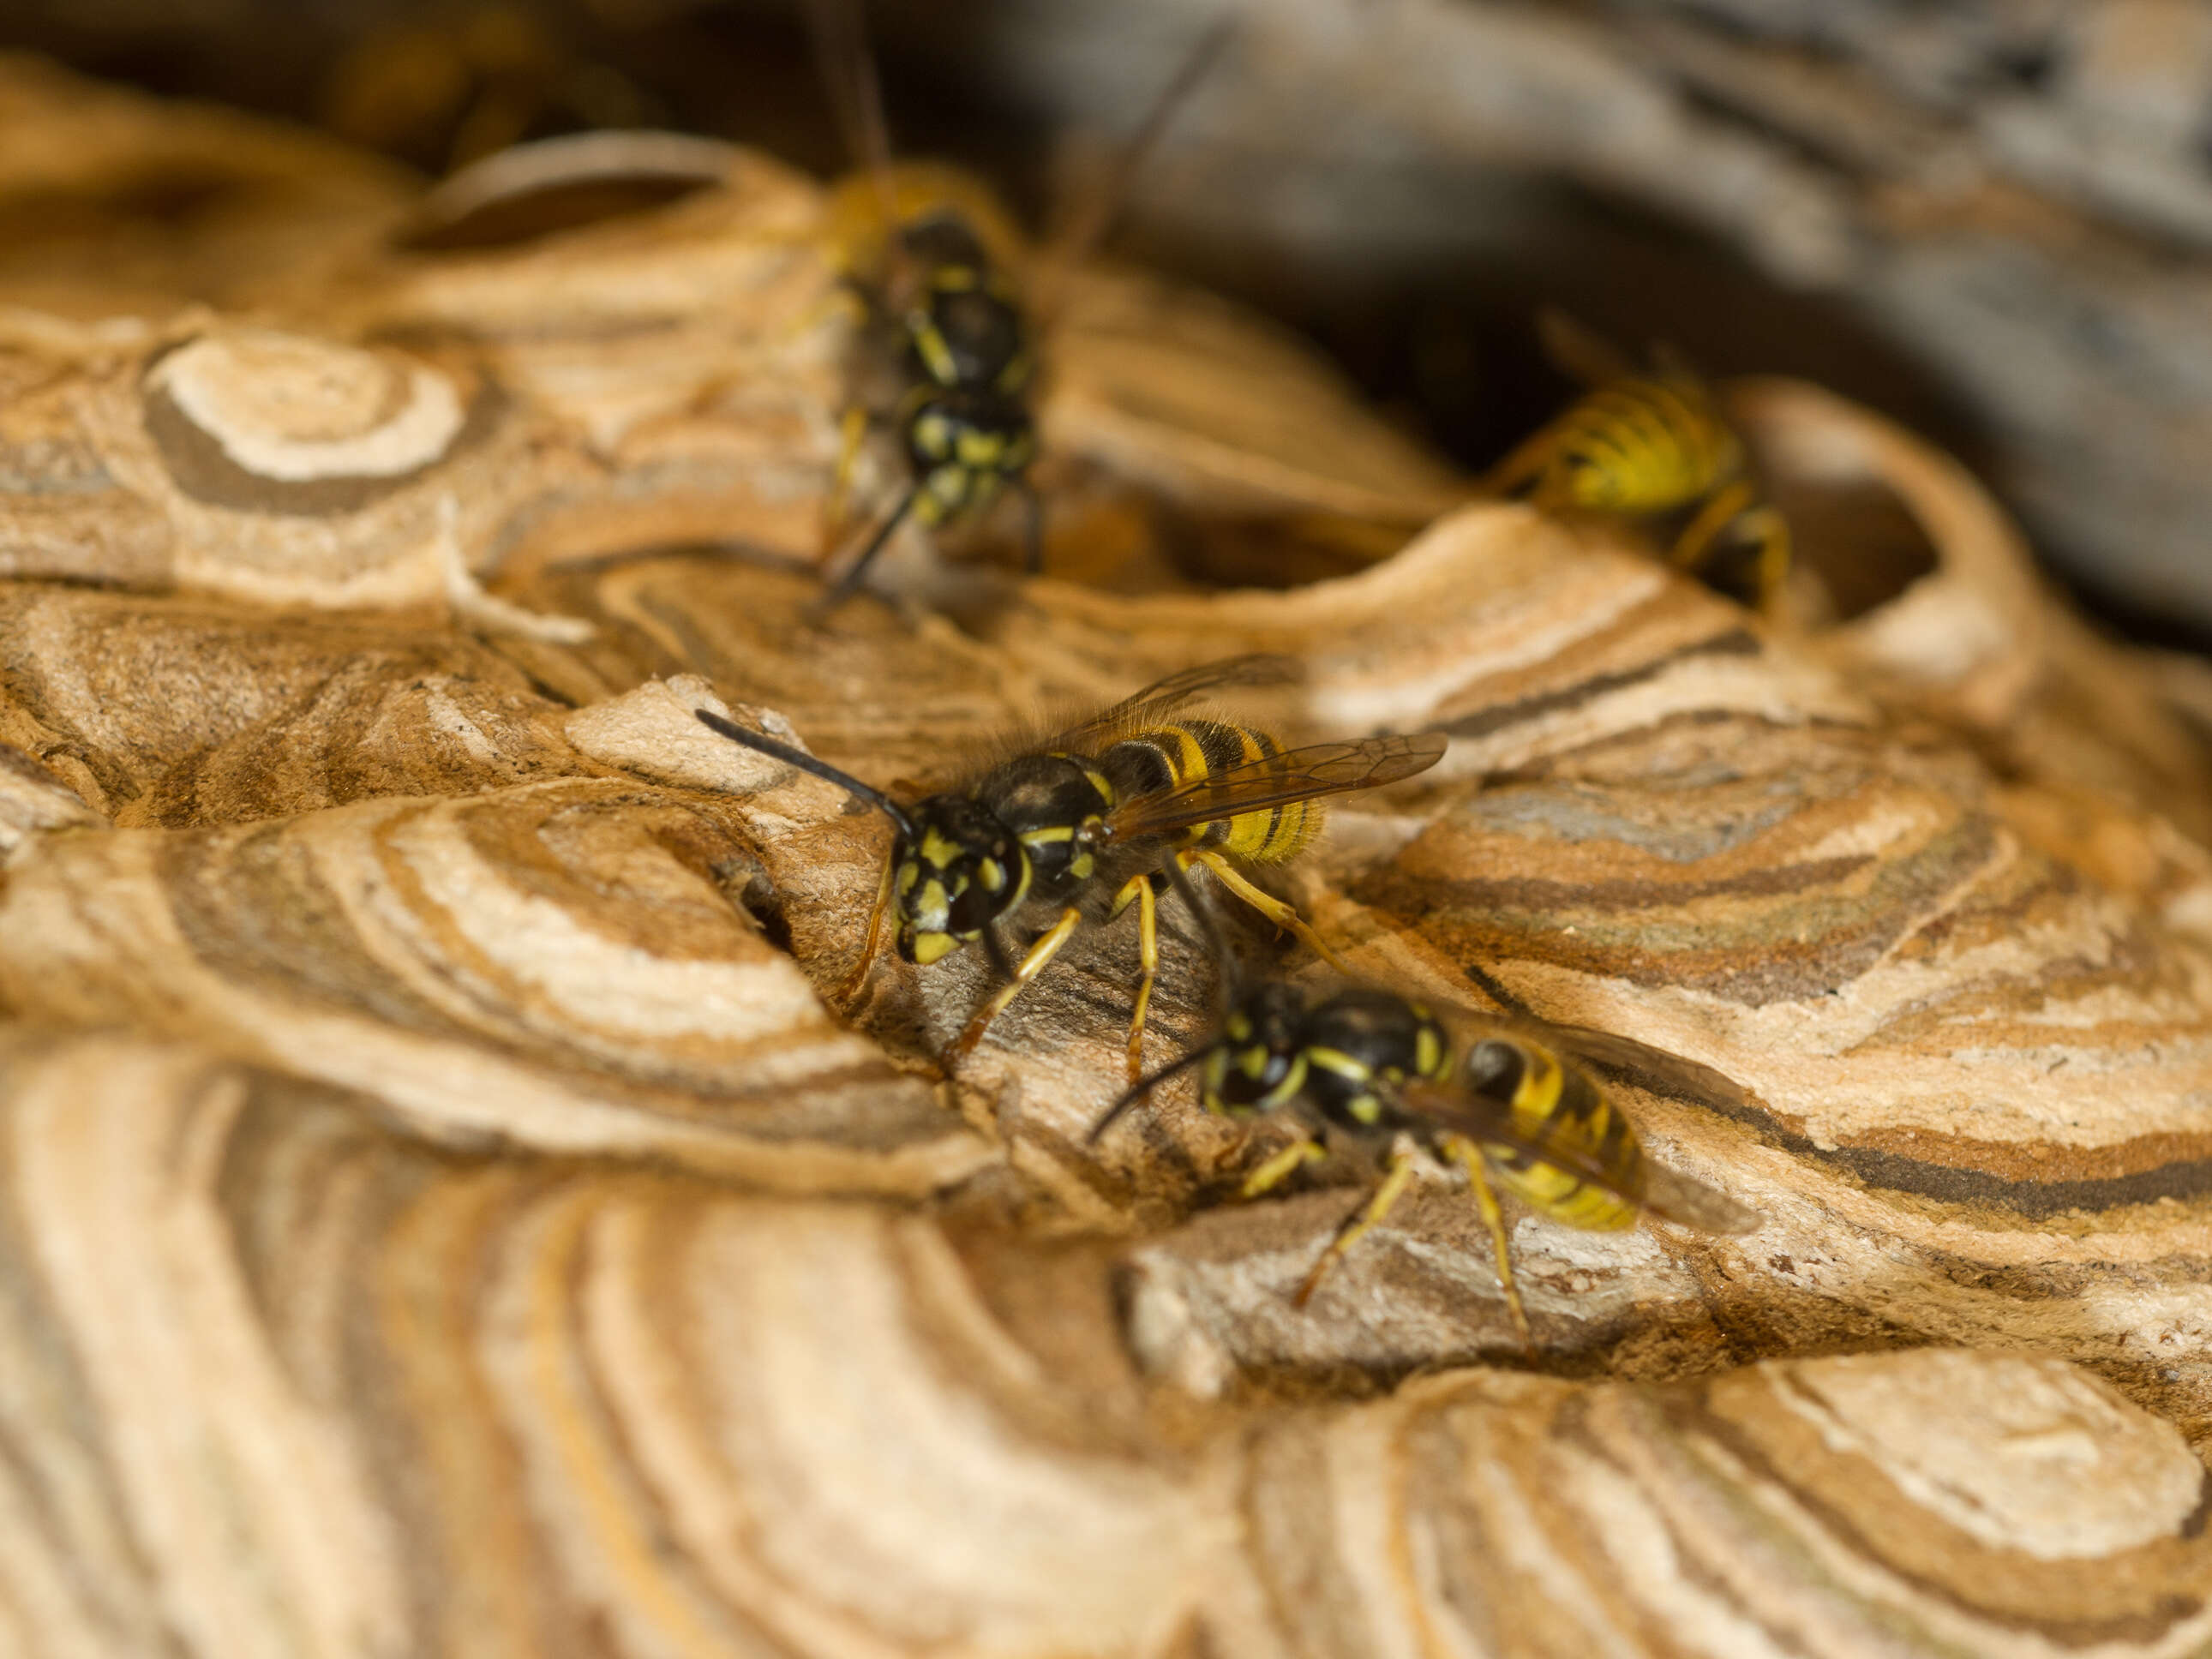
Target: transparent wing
[
  {"x": 1156, "y": 702},
  {"x": 1321, "y": 769},
  {"x": 1667, "y": 1193}
]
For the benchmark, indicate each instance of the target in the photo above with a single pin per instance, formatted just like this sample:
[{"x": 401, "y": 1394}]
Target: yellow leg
[
  {"x": 1528, "y": 461},
  {"x": 1148, "y": 954},
  {"x": 1697, "y": 537},
  {"x": 1386, "y": 1196},
  {"x": 1772, "y": 530},
  {"x": 1277, "y": 1169},
  {"x": 1468, "y": 1157},
  {"x": 853, "y": 432},
  {"x": 1025, "y": 970},
  {"x": 1268, "y": 906},
  {"x": 857, "y": 981}
]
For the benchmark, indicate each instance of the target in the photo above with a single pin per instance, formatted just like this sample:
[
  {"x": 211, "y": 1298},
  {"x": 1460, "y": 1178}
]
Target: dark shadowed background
[{"x": 1989, "y": 218}]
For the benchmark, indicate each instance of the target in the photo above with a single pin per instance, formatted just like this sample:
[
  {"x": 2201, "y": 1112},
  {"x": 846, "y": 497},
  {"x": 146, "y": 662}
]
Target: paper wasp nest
[{"x": 443, "y": 1216}]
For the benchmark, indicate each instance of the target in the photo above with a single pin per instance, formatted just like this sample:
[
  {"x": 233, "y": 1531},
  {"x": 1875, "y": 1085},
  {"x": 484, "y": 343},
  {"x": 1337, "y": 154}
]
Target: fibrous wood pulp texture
[{"x": 443, "y": 1215}]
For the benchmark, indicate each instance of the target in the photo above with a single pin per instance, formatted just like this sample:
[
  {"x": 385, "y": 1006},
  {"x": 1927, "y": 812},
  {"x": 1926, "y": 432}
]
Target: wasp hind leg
[
  {"x": 1031, "y": 964},
  {"x": 1385, "y": 1198},
  {"x": 1140, "y": 888},
  {"x": 1282, "y": 916},
  {"x": 1721, "y": 509},
  {"x": 1468, "y": 1157}
]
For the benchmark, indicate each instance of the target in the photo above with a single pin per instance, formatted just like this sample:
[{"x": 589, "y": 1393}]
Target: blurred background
[{"x": 1991, "y": 219}]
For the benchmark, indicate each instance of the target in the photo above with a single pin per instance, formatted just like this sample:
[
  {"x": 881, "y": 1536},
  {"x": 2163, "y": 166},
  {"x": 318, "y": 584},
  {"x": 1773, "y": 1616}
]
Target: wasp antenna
[
  {"x": 1088, "y": 229},
  {"x": 847, "y": 584},
  {"x": 856, "y": 98},
  {"x": 1142, "y": 1087},
  {"x": 762, "y": 743}
]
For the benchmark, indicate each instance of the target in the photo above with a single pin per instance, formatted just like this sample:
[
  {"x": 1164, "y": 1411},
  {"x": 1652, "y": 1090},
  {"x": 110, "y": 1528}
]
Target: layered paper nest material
[{"x": 443, "y": 1215}]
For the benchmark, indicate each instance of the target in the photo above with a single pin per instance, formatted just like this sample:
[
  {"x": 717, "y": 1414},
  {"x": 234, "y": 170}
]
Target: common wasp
[
  {"x": 1652, "y": 443},
  {"x": 930, "y": 258},
  {"x": 1498, "y": 1100},
  {"x": 1107, "y": 813}
]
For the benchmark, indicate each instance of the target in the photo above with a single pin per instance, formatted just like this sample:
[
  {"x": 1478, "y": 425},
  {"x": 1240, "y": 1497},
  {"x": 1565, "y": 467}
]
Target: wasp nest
[{"x": 445, "y": 1216}]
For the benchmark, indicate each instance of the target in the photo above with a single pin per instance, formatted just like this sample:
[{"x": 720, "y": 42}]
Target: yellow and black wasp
[
  {"x": 929, "y": 255},
  {"x": 1105, "y": 814},
  {"x": 1496, "y": 1099},
  {"x": 1650, "y": 444}
]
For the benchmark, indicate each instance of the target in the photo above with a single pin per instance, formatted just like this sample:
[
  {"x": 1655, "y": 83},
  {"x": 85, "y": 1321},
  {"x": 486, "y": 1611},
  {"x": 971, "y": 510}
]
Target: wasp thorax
[
  {"x": 1496, "y": 1068},
  {"x": 961, "y": 871}
]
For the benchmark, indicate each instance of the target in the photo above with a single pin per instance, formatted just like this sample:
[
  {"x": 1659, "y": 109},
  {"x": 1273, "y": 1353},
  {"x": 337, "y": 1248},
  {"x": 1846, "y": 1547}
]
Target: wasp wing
[
  {"x": 1294, "y": 774},
  {"x": 1655, "y": 1069},
  {"x": 1667, "y": 1193},
  {"x": 1156, "y": 702}
]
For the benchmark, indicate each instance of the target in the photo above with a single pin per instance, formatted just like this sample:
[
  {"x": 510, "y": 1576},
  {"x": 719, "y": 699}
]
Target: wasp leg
[
  {"x": 1468, "y": 1157},
  {"x": 853, "y": 432},
  {"x": 1772, "y": 531},
  {"x": 845, "y": 586},
  {"x": 1028, "y": 968},
  {"x": 1385, "y": 1198},
  {"x": 1032, "y": 529},
  {"x": 1140, "y": 888},
  {"x": 1277, "y": 1169},
  {"x": 1721, "y": 507},
  {"x": 849, "y": 994},
  {"x": 1273, "y": 908},
  {"x": 1527, "y": 464}
]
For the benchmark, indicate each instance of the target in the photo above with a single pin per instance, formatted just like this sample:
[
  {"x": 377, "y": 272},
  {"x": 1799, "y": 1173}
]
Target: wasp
[
  {"x": 1107, "y": 814},
  {"x": 1651, "y": 445},
  {"x": 1499, "y": 1101},
  {"x": 929, "y": 255}
]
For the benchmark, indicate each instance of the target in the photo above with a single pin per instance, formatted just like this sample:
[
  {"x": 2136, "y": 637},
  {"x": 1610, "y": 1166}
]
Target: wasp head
[
  {"x": 957, "y": 870},
  {"x": 964, "y": 445},
  {"x": 1260, "y": 1060}
]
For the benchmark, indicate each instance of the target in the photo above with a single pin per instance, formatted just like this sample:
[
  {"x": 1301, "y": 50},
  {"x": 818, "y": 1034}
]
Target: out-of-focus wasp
[
  {"x": 1652, "y": 443},
  {"x": 929, "y": 255},
  {"x": 1497, "y": 1099},
  {"x": 1103, "y": 815}
]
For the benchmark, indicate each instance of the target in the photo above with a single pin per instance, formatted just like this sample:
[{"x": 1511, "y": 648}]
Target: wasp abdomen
[
  {"x": 1165, "y": 758},
  {"x": 1641, "y": 446},
  {"x": 1552, "y": 1105}
]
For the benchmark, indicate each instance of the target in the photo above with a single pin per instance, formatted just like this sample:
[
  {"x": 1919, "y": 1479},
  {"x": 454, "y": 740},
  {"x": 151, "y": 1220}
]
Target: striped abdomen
[
  {"x": 1637, "y": 446},
  {"x": 1161, "y": 757},
  {"x": 1553, "y": 1105}
]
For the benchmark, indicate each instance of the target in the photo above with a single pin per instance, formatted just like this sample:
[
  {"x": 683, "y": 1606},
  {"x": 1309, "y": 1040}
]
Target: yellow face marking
[
  {"x": 1294, "y": 1081},
  {"x": 937, "y": 851},
  {"x": 1429, "y": 1057},
  {"x": 909, "y": 871},
  {"x": 1239, "y": 1027},
  {"x": 1252, "y": 1062},
  {"x": 992, "y": 874},
  {"x": 933, "y": 436},
  {"x": 1364, "y": 1108},
  {"x": 929, "y": 947},
  {"x": 980, "y": 449}
]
